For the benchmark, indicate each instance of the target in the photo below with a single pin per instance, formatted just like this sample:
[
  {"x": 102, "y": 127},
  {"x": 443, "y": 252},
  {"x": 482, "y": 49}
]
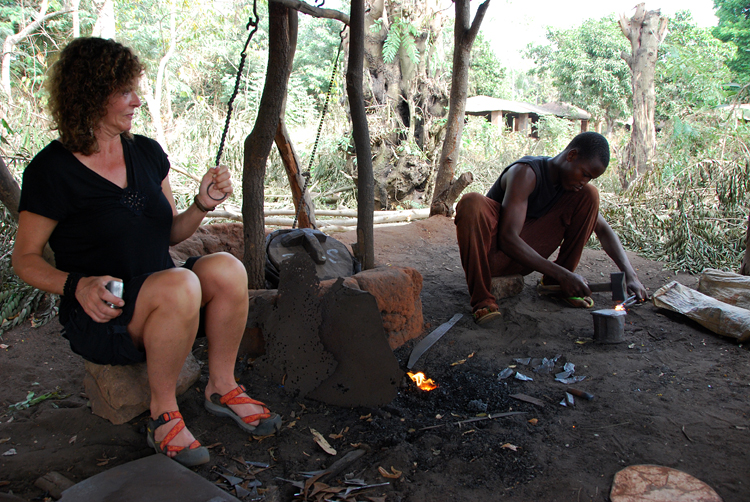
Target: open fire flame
[{"x": 424, "y": 383}]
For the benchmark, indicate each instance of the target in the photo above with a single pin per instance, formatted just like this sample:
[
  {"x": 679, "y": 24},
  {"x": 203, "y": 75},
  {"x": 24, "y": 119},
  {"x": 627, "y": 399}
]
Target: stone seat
[{"x": 121, "y": 393}]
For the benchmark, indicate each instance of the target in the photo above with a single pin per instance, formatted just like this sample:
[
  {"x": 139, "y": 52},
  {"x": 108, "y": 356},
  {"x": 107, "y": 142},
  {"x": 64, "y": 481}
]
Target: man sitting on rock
[{"x": 537, "y": 205}]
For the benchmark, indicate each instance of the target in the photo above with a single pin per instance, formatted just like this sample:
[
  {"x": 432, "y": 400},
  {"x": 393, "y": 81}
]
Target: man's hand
[
  {"x": 634, "y": 286},
  {"x": 574, "y": 285}
]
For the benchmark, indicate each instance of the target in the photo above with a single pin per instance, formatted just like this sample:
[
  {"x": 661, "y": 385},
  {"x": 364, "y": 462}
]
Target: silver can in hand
[{"x": 116, "y": 288}]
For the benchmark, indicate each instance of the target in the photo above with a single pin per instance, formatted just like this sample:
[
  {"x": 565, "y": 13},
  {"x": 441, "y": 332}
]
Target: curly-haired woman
[{"x": 101, "y": 197}]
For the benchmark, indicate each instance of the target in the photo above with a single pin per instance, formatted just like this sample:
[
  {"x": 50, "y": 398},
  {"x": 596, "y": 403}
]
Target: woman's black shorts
[{"x": 110, "y": 342}]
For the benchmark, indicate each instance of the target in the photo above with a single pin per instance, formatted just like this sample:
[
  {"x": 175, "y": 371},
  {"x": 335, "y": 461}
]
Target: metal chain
[
  {"x": 252, "y": 22},
  {"x": 306, "y": 174}
]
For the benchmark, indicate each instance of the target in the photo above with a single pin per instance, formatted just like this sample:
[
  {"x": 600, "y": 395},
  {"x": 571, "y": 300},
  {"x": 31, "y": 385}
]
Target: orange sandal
[
  {"x": 195, "y": 454},
  {"x": 486, "y": 314},
  {"x": 219, "y": 405}
]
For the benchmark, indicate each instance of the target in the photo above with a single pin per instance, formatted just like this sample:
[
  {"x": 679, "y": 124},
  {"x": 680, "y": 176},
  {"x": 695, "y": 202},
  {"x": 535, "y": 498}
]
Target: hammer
[{"x": 616, "y": 284}]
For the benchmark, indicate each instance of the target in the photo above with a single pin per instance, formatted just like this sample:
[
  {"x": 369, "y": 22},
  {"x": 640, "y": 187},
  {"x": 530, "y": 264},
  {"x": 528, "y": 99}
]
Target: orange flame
[
  {"x": 620, "y": 307},
  {"x": 424, "y": 383}
]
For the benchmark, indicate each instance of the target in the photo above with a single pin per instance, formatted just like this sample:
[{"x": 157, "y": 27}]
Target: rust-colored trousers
[{"x": 568, "y": 225}]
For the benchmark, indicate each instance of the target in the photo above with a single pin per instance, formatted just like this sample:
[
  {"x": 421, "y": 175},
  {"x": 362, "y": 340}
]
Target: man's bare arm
[
  {"x": 613, "y": 247},
  {"x": 519, "y": 183}
]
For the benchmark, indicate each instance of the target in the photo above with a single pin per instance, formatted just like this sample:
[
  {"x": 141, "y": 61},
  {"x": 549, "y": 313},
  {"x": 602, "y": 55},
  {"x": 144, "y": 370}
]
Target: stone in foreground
[{"x": 155, "y": 477}]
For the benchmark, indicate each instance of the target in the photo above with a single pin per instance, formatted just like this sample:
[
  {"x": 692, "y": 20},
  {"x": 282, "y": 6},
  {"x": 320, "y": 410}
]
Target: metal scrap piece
[
  {"x": 505, "y": 373},
  {"x": 430, "y": 340}
]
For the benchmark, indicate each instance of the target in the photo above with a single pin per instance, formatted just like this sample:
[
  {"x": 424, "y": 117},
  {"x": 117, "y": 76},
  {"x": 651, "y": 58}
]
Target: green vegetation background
[{"x": 690, "y": 211}]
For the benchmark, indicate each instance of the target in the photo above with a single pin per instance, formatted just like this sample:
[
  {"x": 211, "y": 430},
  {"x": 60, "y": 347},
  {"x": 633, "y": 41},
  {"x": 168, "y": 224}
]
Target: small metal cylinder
[{"x": 609, "y": 325}]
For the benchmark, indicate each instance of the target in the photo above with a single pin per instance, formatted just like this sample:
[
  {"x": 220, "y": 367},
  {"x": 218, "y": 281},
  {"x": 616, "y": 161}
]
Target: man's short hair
[{"x": 591, "y": 145}]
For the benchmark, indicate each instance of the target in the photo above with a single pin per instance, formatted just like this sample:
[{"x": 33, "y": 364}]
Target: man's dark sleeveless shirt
[
  {"x": 545, "y": 193},
  {"x": 103, "y": 229}
]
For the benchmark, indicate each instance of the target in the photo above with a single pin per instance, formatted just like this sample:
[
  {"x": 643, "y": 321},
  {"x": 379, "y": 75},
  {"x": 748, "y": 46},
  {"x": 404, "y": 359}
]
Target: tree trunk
[
  {"x": 365, "y": 247},
  {"x": 258, "y": 144},
  {"x": 10, "y": 42},
  {"x": 105, "y": 22},
  {"x": 73, "y": 6},
  {"x": 645, "y": 30},
  {"x": 10, "y": 192},
  {"x": 401, "y": 96},
  {"x": 445, "y": 194},
  {"x": 154, "y": 98},
  {"x": 745, "y": 269}
]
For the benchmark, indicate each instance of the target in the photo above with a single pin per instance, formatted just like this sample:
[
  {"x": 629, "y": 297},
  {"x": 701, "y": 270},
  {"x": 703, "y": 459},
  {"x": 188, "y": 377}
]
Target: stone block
[
  {"x": 506, "y": 286},
  {"x": 397, "y": 291},
  {"x": 121, "y": 393}
]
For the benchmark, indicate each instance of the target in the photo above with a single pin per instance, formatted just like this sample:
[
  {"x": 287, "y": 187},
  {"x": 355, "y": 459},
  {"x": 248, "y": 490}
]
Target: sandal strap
[
  {"x": 257, "y": 416},
  {"x": 165, "y": 418},
  {"x": 230, "y": 398}
]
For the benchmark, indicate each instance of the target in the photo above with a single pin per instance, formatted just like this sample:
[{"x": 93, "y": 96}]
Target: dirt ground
[{"x": 673, "y": 394}]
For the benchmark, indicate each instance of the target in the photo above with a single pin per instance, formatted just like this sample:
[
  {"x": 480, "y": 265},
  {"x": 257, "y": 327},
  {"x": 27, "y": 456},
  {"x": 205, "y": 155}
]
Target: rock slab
[
  {"x": 656, "y": 483},
  {"x": 506, "y": 286},
  {"x": 121, "y": 393},
  {"x": 155, "y": 477}
]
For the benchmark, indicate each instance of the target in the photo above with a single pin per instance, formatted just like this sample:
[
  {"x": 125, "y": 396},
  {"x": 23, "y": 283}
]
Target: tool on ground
[
  {"x": 609, "y": 325},
  {"x": 430, "y": 340},
  {"x": 616, "y": 284},
  {"x": 580, "y": 393}
]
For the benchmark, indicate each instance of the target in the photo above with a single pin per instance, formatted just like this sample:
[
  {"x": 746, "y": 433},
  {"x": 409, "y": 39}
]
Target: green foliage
[
  {"x": 318, "y": 42},
  {"x": 18, "y": 300},
  {"x": 586, "y": 67},
  {"x": 734, "y": 26},
  {"x": 487, "y": 77},
  {"x": 691, "y": 210},
  {"x": 690, "y": 71},
  {"x": 32, "y": 399},
  {"x": 402, "y": 36}
]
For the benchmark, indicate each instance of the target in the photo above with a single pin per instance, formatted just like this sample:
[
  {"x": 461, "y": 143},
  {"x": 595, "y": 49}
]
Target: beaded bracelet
[
  {"x": 199, "y": 205},
  {"x": 71, "y": 284}
]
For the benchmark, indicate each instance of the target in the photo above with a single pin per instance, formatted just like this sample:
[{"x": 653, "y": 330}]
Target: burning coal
[{"x": 424, "y": 383}]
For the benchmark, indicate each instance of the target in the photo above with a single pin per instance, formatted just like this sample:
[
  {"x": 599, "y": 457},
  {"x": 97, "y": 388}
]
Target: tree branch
[
  {"x": 14, "y": 39},
  {"x": 314, "y": 11},
  {"x": 477, "y": 23}
]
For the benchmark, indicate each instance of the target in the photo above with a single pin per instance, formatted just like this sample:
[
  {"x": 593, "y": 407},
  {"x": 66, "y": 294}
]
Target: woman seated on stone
[{"x": 101, "y": 197}]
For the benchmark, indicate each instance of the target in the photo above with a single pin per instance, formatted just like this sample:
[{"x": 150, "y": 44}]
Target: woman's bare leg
[
  {"x": 165, "y": 323},
  {"x": 223, "y": 281}
]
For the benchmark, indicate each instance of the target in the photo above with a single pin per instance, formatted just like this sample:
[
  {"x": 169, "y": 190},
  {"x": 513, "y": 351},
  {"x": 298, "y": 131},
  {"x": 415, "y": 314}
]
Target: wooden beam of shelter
[
  {"x": 314, "y": 11},
  {"x": 296, "y": 181}
]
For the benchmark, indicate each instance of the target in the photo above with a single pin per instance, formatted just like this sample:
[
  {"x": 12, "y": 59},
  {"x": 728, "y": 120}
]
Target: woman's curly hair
[{"x": 80, "y": 83}]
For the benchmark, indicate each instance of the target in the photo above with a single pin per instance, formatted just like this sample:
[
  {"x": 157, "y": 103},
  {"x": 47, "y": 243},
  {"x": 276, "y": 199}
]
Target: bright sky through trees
[{"x": 512, "y": 24}]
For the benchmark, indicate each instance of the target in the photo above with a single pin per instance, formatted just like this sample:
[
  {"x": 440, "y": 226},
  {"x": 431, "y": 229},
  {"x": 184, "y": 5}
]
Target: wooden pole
[
  {"x": 258, "y": 144},
  {"x": 365, "y": 248}
]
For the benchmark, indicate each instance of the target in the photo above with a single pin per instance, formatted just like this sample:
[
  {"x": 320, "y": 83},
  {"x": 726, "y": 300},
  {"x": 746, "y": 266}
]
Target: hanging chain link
[
  {"x": 307, "y": 173},
  {"x": 252, "y": 22}
]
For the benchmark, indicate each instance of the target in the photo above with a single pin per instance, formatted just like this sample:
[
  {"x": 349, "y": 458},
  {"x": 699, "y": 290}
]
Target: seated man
[{"x": 537, "y": 205}]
